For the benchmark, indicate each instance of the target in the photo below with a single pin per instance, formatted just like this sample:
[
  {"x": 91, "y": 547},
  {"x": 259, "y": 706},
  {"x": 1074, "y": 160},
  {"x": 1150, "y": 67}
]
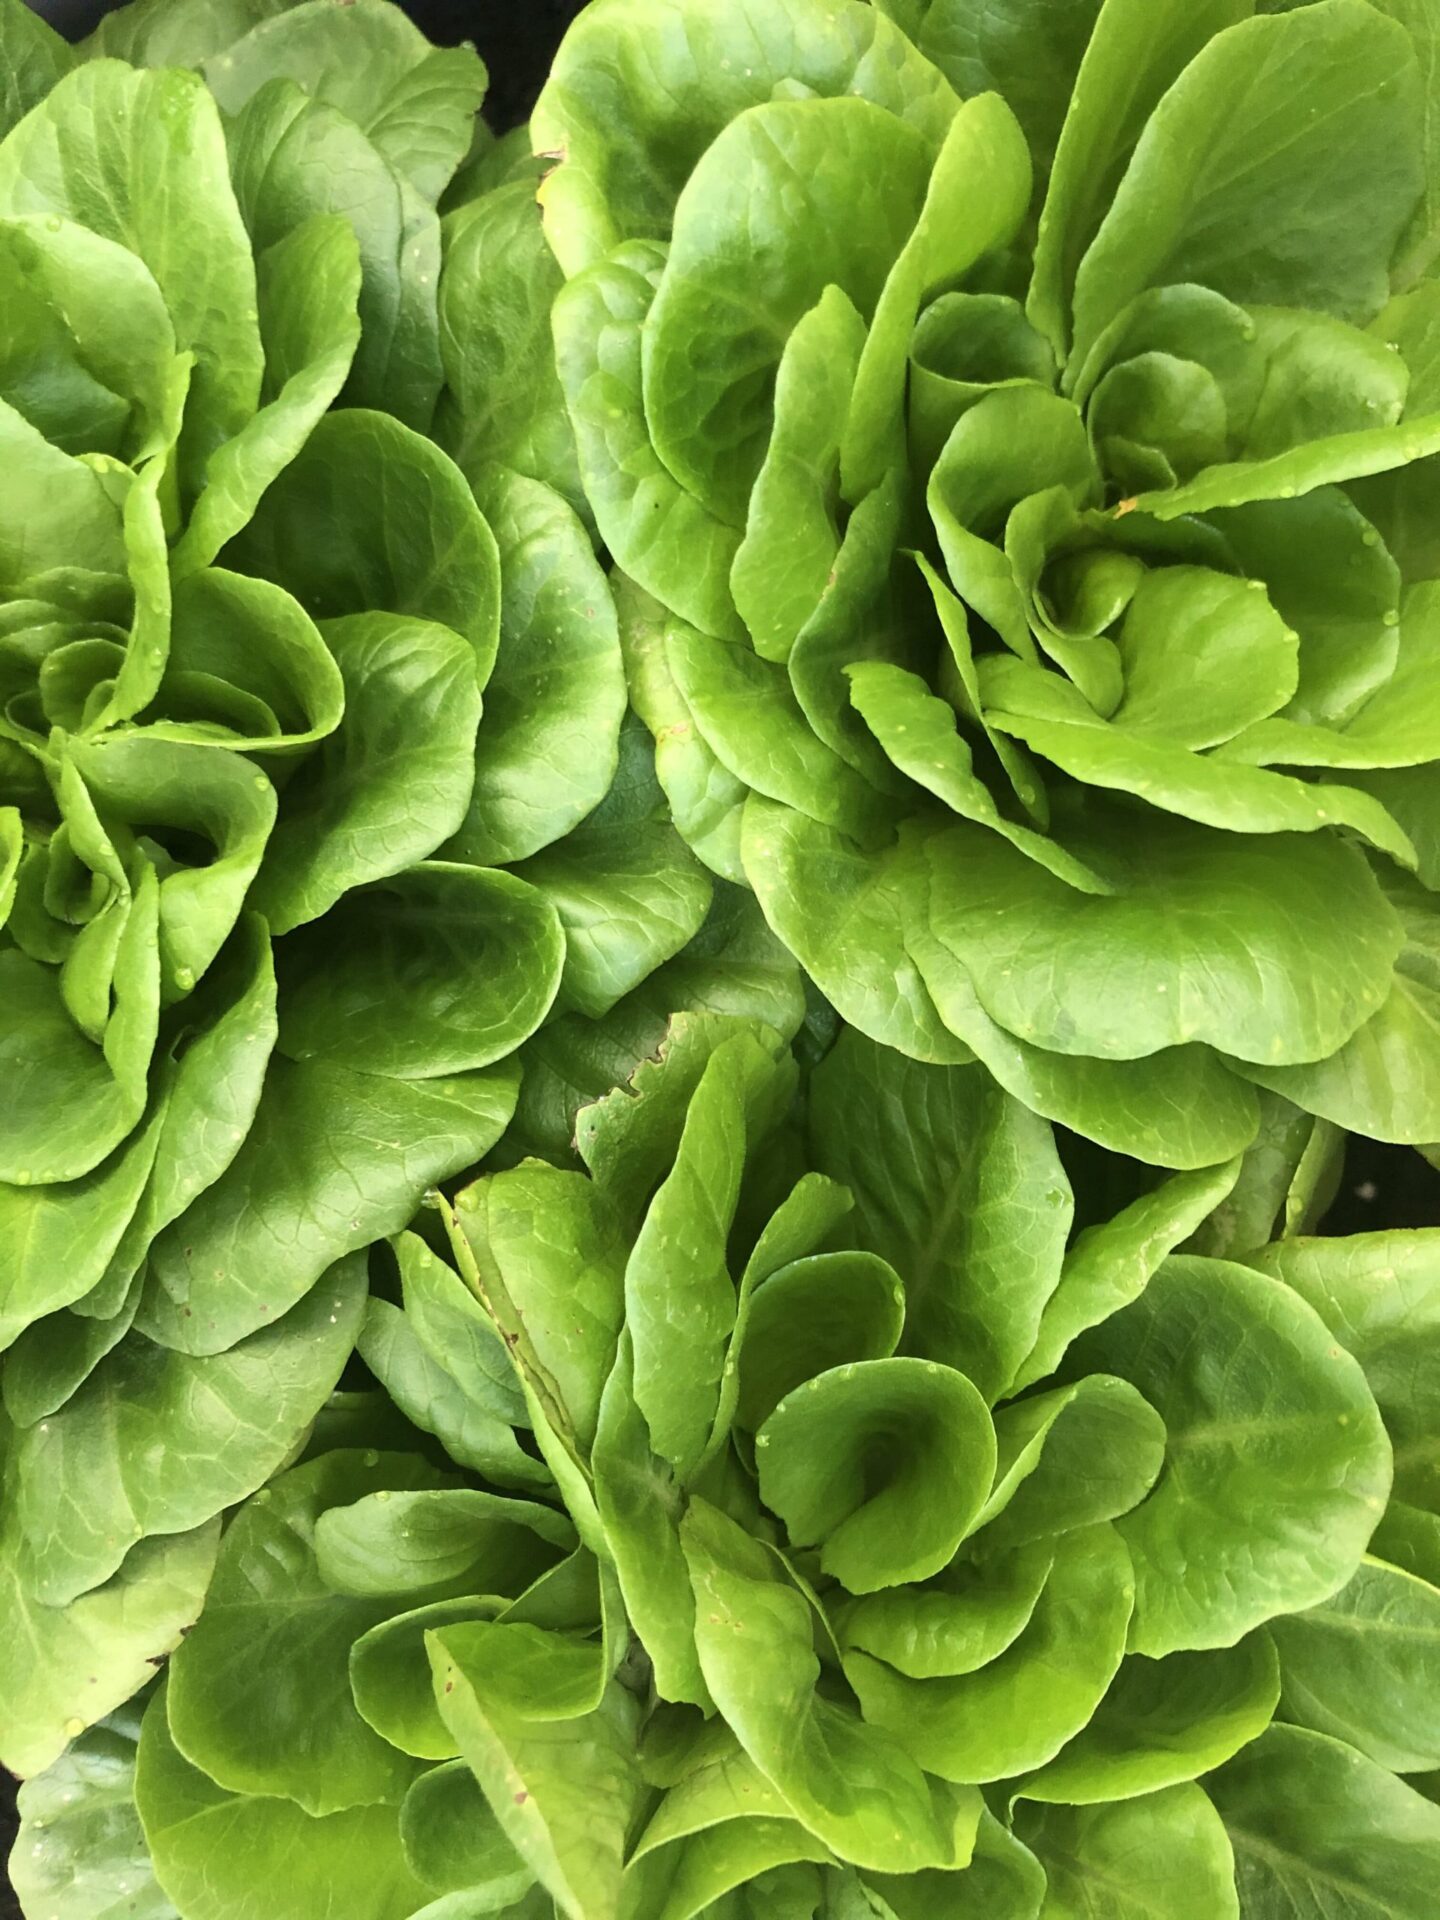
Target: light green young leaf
[
  {"x": 564, "y": 1790},
  {"x": 551, "y": 1251},
  {"x": 1175, "y": 955},
  {"x": 122, "y": 153},
  {"x": 1078, "y": 1454},
  {"x": 680, "y": 1300},
  {"x": 974, "y": 204},
  {"x": 852, "y": 1785},
  {"x": 840, "y": 912},
  {"x": 640, "y": 1505},
  {"x": 749, "y": 717},
  {"x": 416, "y": 102},
  {"x": 628, "y": 891},
  {"x": 1110, "y": 1264},
  {"x": 64, "y": 512},
  {"x": 957, "y": 1623},
  {"x": 433, "y": 1398},
  {"x": 309, "y": 289},
  {"x": 457, "y": 1332},
  {"x": 149, "y": 33},
  {"x": 454, "y": 1843},
  {"x": 71, "y": 1102},
  {"x": 215, "y": 803},
  {"x": 705, "y": 799},
  {"x": 1277, "y": 1466},
  {"x": 1318, "y": 1829},
  {"x": 390, "y": 1675},
  {"x": 394, "y": 779},
  {"x": 1004, "y": 1881},
  {"x": 117, "y": 1634},
  {"x": 813, "y": 1314},
  {"x": 1181, "y": 1107},
  {"x": 819, "y": 190},
  {"x": 791, "y": 533},
  {"x": 476, "y": 956},
  {"x": 33, "y": 58},
  {"x": 56, "y": 1355},
  {"x": 207, "y": 1092},
  {"x": 412, "y": 1541},
  {"x": 662, "y": 536},
  {"x": 60, "y": 1239},
  {"x": 503, "y": 406},
  {"x": 373, "y": 518},
  {"x": 246, "y": 668},
  {"x": 1016, "y": 1712},
  {"x": 1385, "y": 1081},
  {"x": 959, "y": 1187},
  {"x": 1134, "y": 55}
]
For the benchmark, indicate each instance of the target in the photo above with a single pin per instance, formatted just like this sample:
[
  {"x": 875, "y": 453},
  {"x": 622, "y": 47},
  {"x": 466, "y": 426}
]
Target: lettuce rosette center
[{"x": 1014, "y": 609}]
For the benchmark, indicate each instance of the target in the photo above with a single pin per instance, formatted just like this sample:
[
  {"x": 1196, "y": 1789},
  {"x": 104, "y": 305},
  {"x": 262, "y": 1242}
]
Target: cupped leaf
[
  {"x": 1021, "y": 1708},
  {"x": 854, "y": 1786},
  {"x": 503, "y": 407},
  {"x": 416, "y": 102},
  {"x": 554, "y": 703},
  {"x": 959, "y": 1187},
  {"x": 293, "y": 158},
  {"x": 475, "y": 955},
  {"x": 810, "y": 1316},
  {"x": 882, "y": 1464},
  {"x": 121, "y": 152},
  {"x": 64, "y": 1668},
  {"x": 390, "y": 1676},
  {"x": 454, "y": 1843},
  {"x": 395, "y": 778},
  {"x": 414, "y": 1539},
  {"x": 35, "y": 58},
  {"x": 1172, "y": 957},
  {"x": 957, "y": 1623},
  {"x": 371, "y": 517}
]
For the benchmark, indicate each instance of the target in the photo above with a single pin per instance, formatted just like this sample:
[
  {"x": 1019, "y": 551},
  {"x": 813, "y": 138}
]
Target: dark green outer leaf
[{"x": 1319, "y": 1830}]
